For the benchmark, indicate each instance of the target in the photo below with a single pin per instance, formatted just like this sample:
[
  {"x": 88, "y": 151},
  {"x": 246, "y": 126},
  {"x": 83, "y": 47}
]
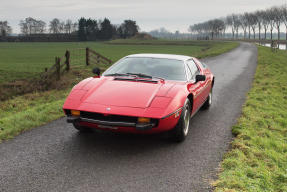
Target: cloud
[{"x": 150, "y": 14}]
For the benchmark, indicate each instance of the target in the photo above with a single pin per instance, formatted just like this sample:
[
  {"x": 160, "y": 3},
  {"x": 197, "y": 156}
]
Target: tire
[
  {"x": 82, "y": 129},
  {"x": 208, "y": 101},
  {"x": 180, "y": 131}
]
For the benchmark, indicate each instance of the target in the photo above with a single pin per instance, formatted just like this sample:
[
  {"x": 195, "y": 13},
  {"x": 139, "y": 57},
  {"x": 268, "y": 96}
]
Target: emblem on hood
[{"x": 108, "y": 108}]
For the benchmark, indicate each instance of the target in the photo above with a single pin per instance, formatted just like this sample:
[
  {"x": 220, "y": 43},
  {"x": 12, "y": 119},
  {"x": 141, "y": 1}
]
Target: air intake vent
[{"x": 137, "y": 80}]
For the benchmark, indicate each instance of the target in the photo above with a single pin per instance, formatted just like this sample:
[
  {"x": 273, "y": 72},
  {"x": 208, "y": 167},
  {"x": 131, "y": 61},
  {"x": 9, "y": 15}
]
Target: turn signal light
[
  {"x": 143, "y": 120},
  {"x": 75, "y": 113}
]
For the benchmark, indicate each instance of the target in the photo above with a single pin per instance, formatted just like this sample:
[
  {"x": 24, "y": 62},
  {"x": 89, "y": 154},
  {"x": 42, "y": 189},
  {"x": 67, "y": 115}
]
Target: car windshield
[{"x": 169, "y": 69}]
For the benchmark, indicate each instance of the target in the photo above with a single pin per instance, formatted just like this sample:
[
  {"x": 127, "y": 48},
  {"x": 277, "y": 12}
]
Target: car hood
[{"x": 111, "y": 92}]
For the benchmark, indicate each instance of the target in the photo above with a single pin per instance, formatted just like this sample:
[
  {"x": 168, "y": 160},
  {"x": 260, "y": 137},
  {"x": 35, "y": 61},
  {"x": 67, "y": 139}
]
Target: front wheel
[
  {"x": 81, "y": 129},
  {"x": 180, "y": 131}
]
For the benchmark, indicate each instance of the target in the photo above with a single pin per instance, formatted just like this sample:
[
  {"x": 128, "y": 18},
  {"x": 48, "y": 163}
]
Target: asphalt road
[{"x": 55, "y": 157}]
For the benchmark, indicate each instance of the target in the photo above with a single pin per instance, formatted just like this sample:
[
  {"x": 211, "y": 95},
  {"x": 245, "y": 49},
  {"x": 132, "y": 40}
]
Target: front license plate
[{"x": 107, "y": 127}]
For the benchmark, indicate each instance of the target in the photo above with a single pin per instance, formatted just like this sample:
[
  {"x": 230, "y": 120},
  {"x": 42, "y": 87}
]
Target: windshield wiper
[
  {"x": 140, "y": 75},
  {"x": 163, "y": 79},
  {"x": 117, "y": 74}
]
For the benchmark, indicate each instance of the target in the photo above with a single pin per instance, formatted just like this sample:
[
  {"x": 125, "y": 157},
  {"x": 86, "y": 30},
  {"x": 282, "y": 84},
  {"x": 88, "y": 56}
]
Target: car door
[
  {"x": 194, "y": 87},
  {"x": 207, "y": 84}
]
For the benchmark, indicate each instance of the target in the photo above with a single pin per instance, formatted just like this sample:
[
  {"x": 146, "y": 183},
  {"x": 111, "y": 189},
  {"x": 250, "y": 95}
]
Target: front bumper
[{"x": 139, "y": 127}]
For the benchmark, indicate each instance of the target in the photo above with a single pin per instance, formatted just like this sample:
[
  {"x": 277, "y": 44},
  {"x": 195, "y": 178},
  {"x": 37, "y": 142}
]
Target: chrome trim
[
  {"x": 110, "y": 123},
  {"x": 172, "y": 113},
  {"x": 72, "y": 119}
]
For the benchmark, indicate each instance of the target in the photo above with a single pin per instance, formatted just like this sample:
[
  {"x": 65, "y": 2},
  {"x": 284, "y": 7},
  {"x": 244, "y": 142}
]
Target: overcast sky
[{"x": 149, "y": 14}]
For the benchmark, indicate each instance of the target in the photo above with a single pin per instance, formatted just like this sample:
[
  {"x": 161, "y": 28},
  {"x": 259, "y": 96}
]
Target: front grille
[{"x": 110, "y": 118}]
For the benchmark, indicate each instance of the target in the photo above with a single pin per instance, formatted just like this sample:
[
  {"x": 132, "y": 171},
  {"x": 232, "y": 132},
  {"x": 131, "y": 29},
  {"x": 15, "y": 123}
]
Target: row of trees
[
  {"x": 30, "y": 26},
  {"x": 249, "y": 24},
  {"x": 86, "y": 29},
  {"x": 90, "y": 29}
]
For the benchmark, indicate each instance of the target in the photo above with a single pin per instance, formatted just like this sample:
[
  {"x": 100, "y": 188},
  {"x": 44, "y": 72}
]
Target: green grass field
[
  {"x": 34, "y": 109},
  {"x": 24, "y": 60},
  {"x": 258, "y": 159}
]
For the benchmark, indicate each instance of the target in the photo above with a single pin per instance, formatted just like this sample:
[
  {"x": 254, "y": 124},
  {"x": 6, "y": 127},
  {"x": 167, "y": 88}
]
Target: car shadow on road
[{"x": 118, "y": 143}]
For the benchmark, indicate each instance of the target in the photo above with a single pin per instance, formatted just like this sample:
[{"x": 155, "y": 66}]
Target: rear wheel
[
  {"x": 180, "y": 131},
  {"x": 81, "y": 129}
]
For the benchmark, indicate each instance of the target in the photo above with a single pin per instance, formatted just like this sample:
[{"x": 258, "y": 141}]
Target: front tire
[
  {"x": 81, "y": 129},
  {"x": 180, "y": 131}
]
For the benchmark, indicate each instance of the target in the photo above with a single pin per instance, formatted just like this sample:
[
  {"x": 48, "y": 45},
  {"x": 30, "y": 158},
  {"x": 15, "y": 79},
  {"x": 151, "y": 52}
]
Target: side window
[{"x": 193, "y": 69}]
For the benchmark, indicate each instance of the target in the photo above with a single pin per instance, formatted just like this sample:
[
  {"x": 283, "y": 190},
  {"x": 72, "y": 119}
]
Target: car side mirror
[
  {"x": 97, "y": 71},
  {"x": 200, "y": 78}
]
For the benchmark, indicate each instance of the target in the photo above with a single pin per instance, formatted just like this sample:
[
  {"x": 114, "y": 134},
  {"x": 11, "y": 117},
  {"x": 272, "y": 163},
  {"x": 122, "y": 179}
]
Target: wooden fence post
[
  {"x": 58, "y": 69},
  {"x": 87, "y": 56},
  {"x": 67, "y": 60}
]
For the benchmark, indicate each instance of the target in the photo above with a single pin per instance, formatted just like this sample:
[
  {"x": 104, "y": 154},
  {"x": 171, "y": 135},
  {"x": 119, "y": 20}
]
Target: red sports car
[{"x": 142, "y": 93}]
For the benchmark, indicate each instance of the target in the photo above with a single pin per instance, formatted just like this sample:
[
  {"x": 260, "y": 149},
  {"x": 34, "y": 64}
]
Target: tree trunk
[
  {"x": 278, "y": 29},
  {"x": 271, "y": 34},
  {"x": 249, "y": 32},
  {"x": 265, "y": 33},
  {"x": 259, "y": 34}
]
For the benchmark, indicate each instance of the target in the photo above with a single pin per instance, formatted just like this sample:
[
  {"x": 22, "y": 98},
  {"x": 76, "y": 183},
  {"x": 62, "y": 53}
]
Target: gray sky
[{"x": 149, "y": 14}]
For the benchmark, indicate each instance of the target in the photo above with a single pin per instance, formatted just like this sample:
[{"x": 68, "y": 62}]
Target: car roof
[{"x": 162, "y": 56}]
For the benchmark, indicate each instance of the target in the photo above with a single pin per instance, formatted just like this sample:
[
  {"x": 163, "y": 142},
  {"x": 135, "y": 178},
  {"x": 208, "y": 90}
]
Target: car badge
[{"x": 108, "y": 109}]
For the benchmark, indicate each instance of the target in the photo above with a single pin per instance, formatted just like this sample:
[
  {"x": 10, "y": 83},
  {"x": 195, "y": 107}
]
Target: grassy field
[
  {"x": 25, "y": 112},
  {"x": 258, "y": 159},
  {"x": 24, "y": 60}
]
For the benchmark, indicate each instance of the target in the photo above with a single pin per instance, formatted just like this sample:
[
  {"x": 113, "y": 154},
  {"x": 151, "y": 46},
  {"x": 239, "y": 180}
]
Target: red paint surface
[{"x": 139, "y": 99}]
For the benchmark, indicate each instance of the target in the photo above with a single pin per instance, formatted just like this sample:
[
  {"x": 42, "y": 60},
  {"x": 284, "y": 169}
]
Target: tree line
[
  {"x": 90, "y": 29},
  {"x": 250, "y": 24},
  {"x": 86, "y": 29}
]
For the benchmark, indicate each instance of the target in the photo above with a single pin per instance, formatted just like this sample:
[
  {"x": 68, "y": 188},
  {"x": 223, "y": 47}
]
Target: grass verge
[
  {"x": 28, "y": 111},
  {"x": 258, "y": 159},
  {"x": 31, "y": 110},
  {"x": 26, "y": 60}
]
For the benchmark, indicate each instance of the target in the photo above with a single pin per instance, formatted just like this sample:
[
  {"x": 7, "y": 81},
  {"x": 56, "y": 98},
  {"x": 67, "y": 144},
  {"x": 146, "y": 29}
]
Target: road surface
[{"x": 55, "y": 157}]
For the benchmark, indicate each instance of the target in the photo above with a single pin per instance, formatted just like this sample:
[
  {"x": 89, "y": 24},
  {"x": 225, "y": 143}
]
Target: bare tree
[
  {"x": 265, "y": 22},
  {"x": 271, "y": 20},
  {"x": 40, "y": 26},
  {"x": 68, "y": 26},
  {"x": 284, "y": 17},
  {"x": 75, "y": 26},
  {"x": 55, "y": 26},
  {"x": 243, "y": 23},
  {"x": 62, "y": 27},
  {"x": 277, "y": 19},
  {"x": 5, "y": 29},
  {"x": 32, "y": 26},
  {"x": 229, "y": 22},
  {"x": 236, "y": 23},
  {"x": 252, "y": 19},
  {"x": 225, "y": 26},
  {"x": 260, "y": 20},
  {"x": 215, "y": 26}
]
